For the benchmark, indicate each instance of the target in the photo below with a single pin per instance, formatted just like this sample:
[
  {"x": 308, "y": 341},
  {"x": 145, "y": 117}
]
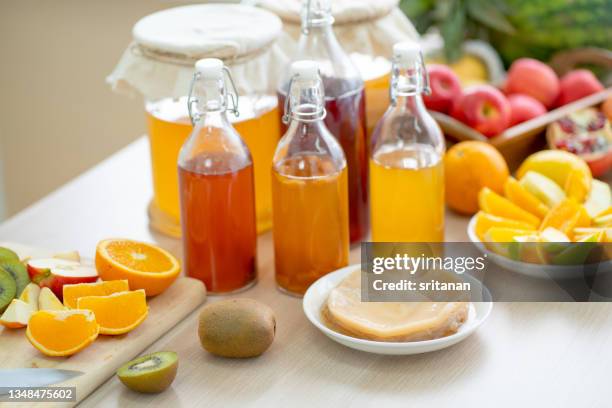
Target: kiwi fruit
[
  {"x": 8, "y": 255},
  {"x": 237, "y": 328},
  {"x": 19, "y": 273},
  {"x": 150, "y": 374},
  {"x": 8, "y": 289}
]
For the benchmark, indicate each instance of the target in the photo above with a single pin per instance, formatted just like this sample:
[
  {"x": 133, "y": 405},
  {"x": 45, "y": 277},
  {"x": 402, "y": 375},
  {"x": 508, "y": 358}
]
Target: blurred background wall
[{"x": 58, "y": 117}]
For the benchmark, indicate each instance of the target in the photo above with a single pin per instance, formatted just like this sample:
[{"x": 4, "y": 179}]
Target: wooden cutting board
[{"x": 100, "y": 360}]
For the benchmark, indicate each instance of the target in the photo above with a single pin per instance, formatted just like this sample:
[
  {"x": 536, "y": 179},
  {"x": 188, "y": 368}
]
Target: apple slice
[
  {"x": 48, "y": 301},
  {"x": 54, "y": 273},
  {"x": 599, "y": 198},
  {"x": 30, "y": 295},
  {"x": 543, "y": 188},
  {"x": 17, "y": 314}
]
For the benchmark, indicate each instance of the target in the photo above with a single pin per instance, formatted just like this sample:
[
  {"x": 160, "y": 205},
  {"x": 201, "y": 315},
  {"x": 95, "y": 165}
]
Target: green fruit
[
  {"x": 8, "y": 289},
  {"x": 8, "y": 255},
  {"x": 19, "y": 273},
  {"x": 151, "y": 373},
  {"x": 237, "y": 328}
]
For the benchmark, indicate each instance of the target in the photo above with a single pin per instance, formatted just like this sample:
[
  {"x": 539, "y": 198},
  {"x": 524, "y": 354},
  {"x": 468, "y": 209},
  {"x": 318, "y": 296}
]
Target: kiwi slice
[
  {"x": 19, "y": 273},
  {"x": 8, "y": 255},
  {"x": 151, "y": 373},
  {"x": 8, "y": 289}
]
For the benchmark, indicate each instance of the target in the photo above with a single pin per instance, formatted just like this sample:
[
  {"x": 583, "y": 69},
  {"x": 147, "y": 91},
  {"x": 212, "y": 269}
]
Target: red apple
[
  {"x": 534, "y": 78},
  {"x": 577, "y": 84},
  {"x": 483, "y": 108},
  {"x": 445, "y": 88},
  {"x": 54, "y": 273},
  {"x": 523, "y": 108}
]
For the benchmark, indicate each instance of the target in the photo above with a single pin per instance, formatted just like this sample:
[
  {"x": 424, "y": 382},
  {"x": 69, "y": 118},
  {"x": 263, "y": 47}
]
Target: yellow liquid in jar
[
  {"x": 169, "y": 126},
  {"x": 407, "y": 195},
  {"x": 376, "y": 74},
  {"x": 311, "y": 225}
]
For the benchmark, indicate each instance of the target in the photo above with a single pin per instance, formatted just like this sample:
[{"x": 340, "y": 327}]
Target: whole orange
[{"x": 468, "y": 167}]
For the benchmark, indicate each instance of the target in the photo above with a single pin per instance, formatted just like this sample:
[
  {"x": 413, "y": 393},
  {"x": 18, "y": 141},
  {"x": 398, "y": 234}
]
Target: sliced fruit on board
[
  {"x": 543, "y": 188},
  {"x": 599, "y": 198},
  {"x": 563, "y": 217},
  {"x": 145, "y": 266},
  {"x": 48, "y": 301},
  {"x": 519, "y": 195},
  {"x": 118, "y": 313},
  {"x": 30, "y": 295},
  {"x": 557, "y": 165},
  {"x": 7, "y": 254},
  {"x": 62, "y": 332},
  {"x": 17, "y": 314},
  {"x": 495, "y": 204},
  {"x": 101, "y": 288},
  {"x": 152, "y": 373},
  {"x": 484, "y": 221},
  {"x": 54, "y": 273},
  {"x": 19, "y": 273},
  {"x": 8, "y": 289}
]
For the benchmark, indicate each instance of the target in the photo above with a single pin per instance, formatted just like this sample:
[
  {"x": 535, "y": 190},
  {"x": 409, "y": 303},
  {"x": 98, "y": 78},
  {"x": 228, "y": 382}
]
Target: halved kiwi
[
  {"x": 8, "y": 289},
  {"x": 19, "y": 273},
  {"x": 151, "y": 373},
  {"x": 8, "y": 255}
]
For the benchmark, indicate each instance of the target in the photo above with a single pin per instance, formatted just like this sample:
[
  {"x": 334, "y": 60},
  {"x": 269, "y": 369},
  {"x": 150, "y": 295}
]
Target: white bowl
[
  {"x": 530, "y": 269},
  {"x": 317, "y": 295}
]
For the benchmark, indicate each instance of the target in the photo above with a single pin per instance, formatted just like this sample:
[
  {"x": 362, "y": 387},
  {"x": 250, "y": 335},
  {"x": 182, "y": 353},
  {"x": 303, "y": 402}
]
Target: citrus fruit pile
[{"x": 553, "y": 198}]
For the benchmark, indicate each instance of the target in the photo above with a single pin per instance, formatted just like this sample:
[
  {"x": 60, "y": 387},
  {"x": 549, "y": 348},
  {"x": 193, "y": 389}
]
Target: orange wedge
[
  {"x": 564, "y": 217},
  {"x": 145, "y": 266},
  {"x": 62, "y": 332},
  {"x": 495, "y": 204},
  {"x": 102, "y": 288},
  {"x": 519, "y": 195},
  {"x": 485, "y": 221},
  {"x": 118, "y": 313}
]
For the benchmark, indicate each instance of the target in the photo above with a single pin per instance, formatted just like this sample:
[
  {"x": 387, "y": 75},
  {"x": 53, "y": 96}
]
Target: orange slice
[
  {"x": 495, "y": 204},
  {"x": 563, "y": 217},
  {"x": 519, "y": 195},
  {"x": 102, "y": 288},
  {"x": 62, "y": 332},
  {"x": 145, "y": 266},
  {"x": 485, "y": 221},
  {"x": 118, "y": 313}
]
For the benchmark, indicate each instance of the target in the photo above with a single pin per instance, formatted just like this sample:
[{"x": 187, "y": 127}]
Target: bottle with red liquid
[
  {"x": 216, "y": 188},
  {"x": 344, "y": 103}
]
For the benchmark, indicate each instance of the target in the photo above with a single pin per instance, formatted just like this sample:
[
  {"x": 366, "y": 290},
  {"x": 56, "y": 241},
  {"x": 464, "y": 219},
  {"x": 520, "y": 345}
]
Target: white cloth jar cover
[
  {"x": 159, "y": 62},
  {"x": 369, "y": 27}
]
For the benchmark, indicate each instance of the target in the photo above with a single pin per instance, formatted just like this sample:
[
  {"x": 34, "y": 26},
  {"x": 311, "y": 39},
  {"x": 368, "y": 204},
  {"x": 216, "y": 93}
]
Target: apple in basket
[
  {"x": 54, "y": 273},
  {"x": 483, "y": 108}
]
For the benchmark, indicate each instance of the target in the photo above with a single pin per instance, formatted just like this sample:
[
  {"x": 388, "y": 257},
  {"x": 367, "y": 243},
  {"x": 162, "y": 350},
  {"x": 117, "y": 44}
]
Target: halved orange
[
  {"x": 519, "y": 195},
  {"x": 62, "y": 332},
  {"x": 118, "y": 313},
  {"x": 495, "y": 204},
  {"x": 145, "y": 266},
  {"x": 101, "y": 288},
  {"x": 485, "y": 221}
]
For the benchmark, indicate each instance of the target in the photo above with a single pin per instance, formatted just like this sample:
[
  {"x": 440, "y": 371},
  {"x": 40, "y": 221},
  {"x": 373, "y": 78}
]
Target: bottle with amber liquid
[
  {"x": 406, "y": 163},
  {"x": 344, "y": 103},
  {"x": 216, "y": 188},
  {"x": 309, "y": 188}
]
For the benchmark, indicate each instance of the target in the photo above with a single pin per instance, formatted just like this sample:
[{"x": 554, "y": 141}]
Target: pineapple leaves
[{"x": 490, "y": 14}]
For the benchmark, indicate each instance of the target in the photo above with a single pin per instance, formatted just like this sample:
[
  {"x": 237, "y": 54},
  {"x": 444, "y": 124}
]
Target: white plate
[
  {"x": 531, "y": 269},
  {"x": 317, "y": 294}
]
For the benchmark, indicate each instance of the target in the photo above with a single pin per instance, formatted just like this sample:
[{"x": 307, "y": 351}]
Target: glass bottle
[
  {"x": 216, "y": 188},
  {"x": 344, "y": 103},
  {"x": 406, "y": 163},
  {"x": 309, "y": 189}
]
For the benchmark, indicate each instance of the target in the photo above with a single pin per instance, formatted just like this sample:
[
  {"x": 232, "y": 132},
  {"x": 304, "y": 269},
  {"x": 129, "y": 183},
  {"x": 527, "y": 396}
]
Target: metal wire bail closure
[
  {"x": 423, "y": 78},
  {"x": 232, "y": 95}
]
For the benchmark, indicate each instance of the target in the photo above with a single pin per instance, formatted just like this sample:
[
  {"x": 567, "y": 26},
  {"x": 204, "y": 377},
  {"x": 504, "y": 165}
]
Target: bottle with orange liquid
[
  {"x": 406, "y": 163},
  {"x": 216, "y": 188},
  {"x": 344, "y": 103},
  {"x": 309, "y": 188}
]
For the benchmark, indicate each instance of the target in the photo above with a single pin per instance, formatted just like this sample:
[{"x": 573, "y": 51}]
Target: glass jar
[{"x": 159, "y": 65}]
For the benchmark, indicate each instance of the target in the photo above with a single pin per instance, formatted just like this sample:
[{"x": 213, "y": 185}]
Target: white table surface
[{"x": 526, "y": 354}]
